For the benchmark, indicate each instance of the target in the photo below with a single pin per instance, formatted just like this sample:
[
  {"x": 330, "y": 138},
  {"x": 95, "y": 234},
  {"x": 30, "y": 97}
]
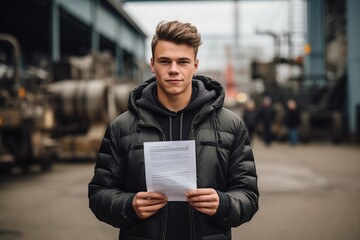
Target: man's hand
[
  {"x": 205, "y": 200},
  {"x": 147, "y": 204}
]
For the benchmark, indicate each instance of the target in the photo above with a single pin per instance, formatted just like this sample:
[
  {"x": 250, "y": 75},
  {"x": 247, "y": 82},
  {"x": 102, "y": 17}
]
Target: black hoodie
[{"x": 176, "y": 126}]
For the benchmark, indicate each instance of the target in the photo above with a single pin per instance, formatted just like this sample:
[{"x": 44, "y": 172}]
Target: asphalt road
[{"x": 307, "y": 192}]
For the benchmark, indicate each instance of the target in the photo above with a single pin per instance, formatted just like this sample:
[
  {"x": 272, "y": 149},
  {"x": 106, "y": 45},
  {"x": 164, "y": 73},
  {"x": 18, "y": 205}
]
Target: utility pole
[{"x": 236, "y": 28}]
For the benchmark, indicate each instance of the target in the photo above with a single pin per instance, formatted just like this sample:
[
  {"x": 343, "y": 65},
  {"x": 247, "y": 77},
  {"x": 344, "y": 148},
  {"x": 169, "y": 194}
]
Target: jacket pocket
[
  {"x": 146, "y": 229},
  {"x": 138, "y": 147},
  {"x": 212, "y": 231},
  {"x": 208, "y": 143}
]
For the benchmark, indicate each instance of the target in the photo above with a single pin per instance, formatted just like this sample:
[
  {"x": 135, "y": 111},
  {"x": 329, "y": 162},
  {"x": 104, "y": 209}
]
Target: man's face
[{"x": 174, "y": 66}]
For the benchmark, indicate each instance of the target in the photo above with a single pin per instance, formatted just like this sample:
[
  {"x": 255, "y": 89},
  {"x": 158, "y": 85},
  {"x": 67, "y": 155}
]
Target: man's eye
[
  {"x": 164, "y": 62},
  {"x": 183, "y": 62}
]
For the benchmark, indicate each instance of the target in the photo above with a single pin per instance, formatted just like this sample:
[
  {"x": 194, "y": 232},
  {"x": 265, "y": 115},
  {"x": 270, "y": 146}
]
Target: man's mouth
[{"x": 173, "y": 80}]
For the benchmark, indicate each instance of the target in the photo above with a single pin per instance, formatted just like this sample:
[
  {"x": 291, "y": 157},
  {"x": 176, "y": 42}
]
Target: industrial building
[
  {"x": 67, "y": 67},
  {"x": 49, "y": 31}
]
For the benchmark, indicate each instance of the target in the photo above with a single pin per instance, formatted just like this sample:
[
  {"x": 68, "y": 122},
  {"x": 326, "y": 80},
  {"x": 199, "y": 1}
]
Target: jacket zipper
[
  {"x": 192, "y": 135},
  {"x": 162, "y": 136},
  {"x": 163, "y": 236},
  {"x": 191, "y": 230}
]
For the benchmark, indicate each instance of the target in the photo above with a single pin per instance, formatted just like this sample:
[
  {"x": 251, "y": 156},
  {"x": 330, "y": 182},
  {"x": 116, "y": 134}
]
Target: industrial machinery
[
  {"x": 322, "y": 109},
  {"x": 321, "y": 90},
  {"x": 87, "y": 97},
  {"x": 26, "y": 114},
  {"x": 324, "y": 118},
  {"x": 325, "y": 115},
  {"x": 64, "y": 115}
]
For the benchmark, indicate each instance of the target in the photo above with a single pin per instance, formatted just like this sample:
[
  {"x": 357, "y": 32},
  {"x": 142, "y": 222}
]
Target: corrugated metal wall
[
  {"x": 108, "y": 25},
  {"x": 315, "y": 62},
  {"x": 353, "y": 35}
]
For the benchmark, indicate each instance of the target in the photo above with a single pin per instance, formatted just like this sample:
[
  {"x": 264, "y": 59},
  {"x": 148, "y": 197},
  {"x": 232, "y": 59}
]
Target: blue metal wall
[
  {"x": 314, "y": 69},
  {"x": 112, "y": 23},
  {"x": 353, "y": 35}
]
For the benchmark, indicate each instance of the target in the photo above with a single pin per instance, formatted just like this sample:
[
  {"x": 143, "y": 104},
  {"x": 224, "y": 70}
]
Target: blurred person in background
[
  {"x": 250, "y": 118},
  {"x": 292, "y": 120},
  {"x": 176, "y": 105},
  {"x": 266, "y": 118}
]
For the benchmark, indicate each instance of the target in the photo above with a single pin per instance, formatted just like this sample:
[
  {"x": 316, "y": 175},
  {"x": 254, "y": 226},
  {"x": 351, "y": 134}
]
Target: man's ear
[
  {"x": 152, "y": 65},
  {"x": 196, "y": 64}
]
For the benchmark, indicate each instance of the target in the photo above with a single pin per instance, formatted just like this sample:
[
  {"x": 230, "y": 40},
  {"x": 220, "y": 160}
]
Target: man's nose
[{"x": 173, "y": 68}]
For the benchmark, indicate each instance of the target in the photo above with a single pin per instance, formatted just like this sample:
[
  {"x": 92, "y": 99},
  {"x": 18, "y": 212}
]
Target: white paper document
[{"x": 170, "y": 168}]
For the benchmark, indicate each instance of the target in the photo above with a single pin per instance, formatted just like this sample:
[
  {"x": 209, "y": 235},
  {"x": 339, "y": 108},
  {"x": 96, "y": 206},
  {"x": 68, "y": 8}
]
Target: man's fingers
[
  {"x": 150, "y": 208},
  {"x": 145, "y": 211},
  {"x": 148, "y": 203},
  {"x": 207, "y": 211},
  {"x": 201, "y": 192},
  {"x": 212, "y": 204},
  {"x": 150, "y": 195},
  {"x": 202, "y": 198},
  {"x": 202, "y": 195},
  {"x": 205, "y": 200}
]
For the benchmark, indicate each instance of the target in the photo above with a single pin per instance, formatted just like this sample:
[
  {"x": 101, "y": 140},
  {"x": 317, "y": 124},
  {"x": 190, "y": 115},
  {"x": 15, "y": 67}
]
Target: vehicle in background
[
  {"x": 60, "y": 112},
  {"x": 26, "y": 114}
]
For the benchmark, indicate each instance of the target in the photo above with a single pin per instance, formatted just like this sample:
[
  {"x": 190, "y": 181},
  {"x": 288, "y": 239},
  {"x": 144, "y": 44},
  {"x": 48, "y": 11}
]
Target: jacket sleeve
[
  {"x": 239, "y": 202},
  {"x": 106, "y": 199}
]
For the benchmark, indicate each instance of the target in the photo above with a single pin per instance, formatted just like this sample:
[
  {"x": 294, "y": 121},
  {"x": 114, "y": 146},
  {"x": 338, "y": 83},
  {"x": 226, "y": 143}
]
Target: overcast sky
[{"x": 216, "y": 19}]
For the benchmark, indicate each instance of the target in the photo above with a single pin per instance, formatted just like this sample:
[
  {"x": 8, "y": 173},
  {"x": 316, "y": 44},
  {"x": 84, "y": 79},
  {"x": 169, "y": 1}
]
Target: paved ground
[{"x": 307, "y": 192}]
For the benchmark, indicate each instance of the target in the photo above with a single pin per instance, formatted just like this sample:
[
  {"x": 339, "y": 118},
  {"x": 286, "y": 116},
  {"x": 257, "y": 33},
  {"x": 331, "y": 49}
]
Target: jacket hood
[{"x": 206, "y": 92}]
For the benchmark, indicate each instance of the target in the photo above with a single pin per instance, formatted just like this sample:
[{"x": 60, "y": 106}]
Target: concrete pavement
[{"x": 307, "y": 192}]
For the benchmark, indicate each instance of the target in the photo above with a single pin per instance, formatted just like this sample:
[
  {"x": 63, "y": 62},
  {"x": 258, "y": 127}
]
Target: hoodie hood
[
  {"x": 207, "y": 96},
  {"x": 206, "y": 93}
]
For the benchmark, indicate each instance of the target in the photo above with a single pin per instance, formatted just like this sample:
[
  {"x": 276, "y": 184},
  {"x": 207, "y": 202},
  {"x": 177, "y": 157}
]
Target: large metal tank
[
  {"x": 82, "y": 101},
  {"x": 84, "y": 109}
]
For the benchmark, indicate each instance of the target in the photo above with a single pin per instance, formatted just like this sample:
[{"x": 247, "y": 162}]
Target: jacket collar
[{"x": 209, "y": 84}]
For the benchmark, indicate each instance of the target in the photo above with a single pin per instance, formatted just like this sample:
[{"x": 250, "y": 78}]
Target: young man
[{"x": 176, "y": 105}]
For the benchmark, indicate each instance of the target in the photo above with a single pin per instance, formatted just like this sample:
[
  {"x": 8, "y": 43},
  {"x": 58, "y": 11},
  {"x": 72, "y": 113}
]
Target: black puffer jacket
[{"x": 224, "y": 162}]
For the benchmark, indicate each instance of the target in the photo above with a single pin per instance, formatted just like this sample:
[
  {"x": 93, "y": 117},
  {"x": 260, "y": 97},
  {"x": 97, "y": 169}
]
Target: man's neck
[{"x": 174, "y": 103}]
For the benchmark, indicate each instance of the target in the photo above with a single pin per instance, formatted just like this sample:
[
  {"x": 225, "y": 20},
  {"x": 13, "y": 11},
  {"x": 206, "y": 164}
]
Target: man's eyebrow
[
  {"x": 178, "y": 59},
  {"x": 184, "y": 58},
  {"x": 163, "y": 58}
]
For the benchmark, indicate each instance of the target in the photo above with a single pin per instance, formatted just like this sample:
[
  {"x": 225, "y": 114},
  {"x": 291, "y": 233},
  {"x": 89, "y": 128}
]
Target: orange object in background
[{"x": 230, "y": 85}]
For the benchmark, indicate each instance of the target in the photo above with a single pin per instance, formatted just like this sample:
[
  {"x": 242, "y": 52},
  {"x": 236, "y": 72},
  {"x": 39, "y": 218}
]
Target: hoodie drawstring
[
  {"x": 170, "y": 127},
  {"x": 181, "y": 127}
]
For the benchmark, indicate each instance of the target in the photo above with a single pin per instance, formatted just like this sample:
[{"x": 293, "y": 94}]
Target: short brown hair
[{"x": 176, "y": 32}]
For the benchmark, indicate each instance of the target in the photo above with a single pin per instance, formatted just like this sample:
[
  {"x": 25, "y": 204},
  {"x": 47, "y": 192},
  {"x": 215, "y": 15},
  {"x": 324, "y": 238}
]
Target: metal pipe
[{"x": 16, "y": 46}]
